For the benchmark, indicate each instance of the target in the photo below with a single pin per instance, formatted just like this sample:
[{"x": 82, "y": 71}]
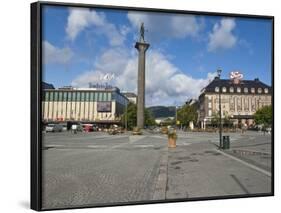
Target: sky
[{"x": 82, "y": 46}]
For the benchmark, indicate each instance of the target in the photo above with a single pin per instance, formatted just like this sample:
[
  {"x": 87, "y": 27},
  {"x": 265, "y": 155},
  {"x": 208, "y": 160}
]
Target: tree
[
  {"x": 132, "y": 117},
  {"x": 215, "y": 121},
  {"x": 149, "y": 120},
  {"x": 187, "y": 113},
  {"x": 263, "y": 116}
]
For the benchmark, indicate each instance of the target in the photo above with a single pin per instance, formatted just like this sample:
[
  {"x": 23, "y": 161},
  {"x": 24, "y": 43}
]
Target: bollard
[{"x": 226, "y": 142}]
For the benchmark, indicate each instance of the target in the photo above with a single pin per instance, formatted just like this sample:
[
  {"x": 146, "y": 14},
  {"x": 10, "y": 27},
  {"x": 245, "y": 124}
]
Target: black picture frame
[{"x": 36, "y": 99}]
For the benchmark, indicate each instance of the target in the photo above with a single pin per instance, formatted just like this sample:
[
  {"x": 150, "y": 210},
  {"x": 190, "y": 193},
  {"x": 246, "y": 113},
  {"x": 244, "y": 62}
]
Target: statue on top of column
[{"x": 142, "y": 32}]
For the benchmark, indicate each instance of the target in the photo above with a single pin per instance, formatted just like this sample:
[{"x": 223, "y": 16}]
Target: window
[
  {"x": 265, "y": 90},
  {"x": 109, "y": 96},
  {"x": 252, "y": 90},
  {"x": 69, "y": 96},
  {"x": 238, "y": 89},
  {"x": 74, "y": 96},
  {"x": 210, "y": 105},
  {"x": 51, "y": 96},
  {"x": 78, "y": 96},
  {"x": 46, "y": 96},
  {"x": 60, "y": 96},
  {"x": 104, "y": 96},
  {"x": 259, "y": 90},
  {"x": 217, "y": 89},
  {"x": 99, "y": 96},
  {"x": 224, "y": 89},
  {"x": 210, "y": 112},
  {"x": 231, "y": 89},
  {"x": 92, "y": 96},
  {"x": 83, "y": 96},
  {"x": 64, "y": 96},
  {"x": 55, "y": 96},
  {"x": 96, "y": 96},
  {"x": 87, "y": 96},
  {"x": 246, "y": 90}
]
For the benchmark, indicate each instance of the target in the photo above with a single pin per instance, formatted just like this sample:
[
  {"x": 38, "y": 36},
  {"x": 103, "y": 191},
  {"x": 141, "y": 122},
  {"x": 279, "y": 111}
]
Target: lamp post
[
  {"x": 176, "y": 116},
  {"x": 126, "y": 118},
  {"x": 220, "y": 123}
]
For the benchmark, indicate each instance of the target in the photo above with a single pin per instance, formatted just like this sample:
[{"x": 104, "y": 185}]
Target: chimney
[{"x": 256, "y": 79}]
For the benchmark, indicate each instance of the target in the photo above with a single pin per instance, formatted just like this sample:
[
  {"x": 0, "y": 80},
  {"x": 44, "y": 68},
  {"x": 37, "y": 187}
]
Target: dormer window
[
  {"x": 224, "y": 89},
  {"x": 246, "y": 90},
  {"x": 252, "y": 90},
  {"x": 259, "y": 90},
  {"x": 266, "y": 90},
  {"x": 238, "y": 89},
  {"x": 231, "y": 89},
  {"x": 217, "y": 89}
]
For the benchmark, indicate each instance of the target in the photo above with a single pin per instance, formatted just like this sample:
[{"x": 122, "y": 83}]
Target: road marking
[
  {"x": 144, "y": 146},
  {"x": 97, "y": 146},
  {"x": 245, "y": 163},
  {"x": 54, "y": 145},
  {"x": 184, "y": 144},
  {"x": 135, "y": 138}
]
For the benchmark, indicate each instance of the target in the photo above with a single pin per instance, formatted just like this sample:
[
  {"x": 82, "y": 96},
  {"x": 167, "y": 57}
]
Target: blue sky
[{"x": 83, "y": 45}]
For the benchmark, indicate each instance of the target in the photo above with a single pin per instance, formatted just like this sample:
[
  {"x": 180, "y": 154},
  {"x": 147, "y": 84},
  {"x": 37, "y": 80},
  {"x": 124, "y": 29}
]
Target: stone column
[{"x": 141, "y": 47}]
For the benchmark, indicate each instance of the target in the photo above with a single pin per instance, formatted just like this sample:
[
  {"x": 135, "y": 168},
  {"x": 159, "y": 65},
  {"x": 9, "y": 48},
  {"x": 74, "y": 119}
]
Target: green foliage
[
  {"x": 264, "y": 116},
  {"x": 172, "y": 135},
  {"x": 215, "y": 121},
  {"x": 149, "y": 119},
  {"x": 186, "y": 114},
  {"x": 132, "y": 117}
]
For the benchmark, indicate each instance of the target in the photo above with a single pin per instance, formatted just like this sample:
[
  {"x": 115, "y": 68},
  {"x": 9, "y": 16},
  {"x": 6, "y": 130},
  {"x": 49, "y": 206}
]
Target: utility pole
[{"x": 220, "y": 120}]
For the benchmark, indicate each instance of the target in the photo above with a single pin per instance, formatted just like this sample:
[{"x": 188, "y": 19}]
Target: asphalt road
[{"x": 97, "y": 169}]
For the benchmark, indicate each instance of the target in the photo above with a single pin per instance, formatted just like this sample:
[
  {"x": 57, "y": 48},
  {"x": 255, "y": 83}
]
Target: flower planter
[{"x": 172, "y": 143}]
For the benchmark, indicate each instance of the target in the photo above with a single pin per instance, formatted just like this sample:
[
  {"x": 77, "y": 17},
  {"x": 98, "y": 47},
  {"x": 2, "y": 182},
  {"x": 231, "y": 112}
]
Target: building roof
[
  {"x": 47, "y": 86},
  {"x": 129, "y": 94},
  {"x": 227, "y": 83}
]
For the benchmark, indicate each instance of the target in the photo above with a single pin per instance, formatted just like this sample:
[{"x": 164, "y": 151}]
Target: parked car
[
  {"x": 88, "y": 127},
  {"x": 54, "y": 128}
]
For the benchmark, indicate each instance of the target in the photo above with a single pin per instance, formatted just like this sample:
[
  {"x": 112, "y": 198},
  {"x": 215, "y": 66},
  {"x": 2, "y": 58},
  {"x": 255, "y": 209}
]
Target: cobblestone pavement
[{"x": 96, "y": 168}]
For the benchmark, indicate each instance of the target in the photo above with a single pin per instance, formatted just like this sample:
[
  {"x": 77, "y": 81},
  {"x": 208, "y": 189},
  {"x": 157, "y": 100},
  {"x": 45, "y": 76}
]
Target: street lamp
[
  {"x": 126, "y": 117},
  {"x": 220, "y": 123}
]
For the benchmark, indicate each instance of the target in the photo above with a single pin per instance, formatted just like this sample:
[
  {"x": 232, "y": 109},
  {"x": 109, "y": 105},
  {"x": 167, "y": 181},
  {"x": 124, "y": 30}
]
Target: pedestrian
[{"x": 74, "y": 128}]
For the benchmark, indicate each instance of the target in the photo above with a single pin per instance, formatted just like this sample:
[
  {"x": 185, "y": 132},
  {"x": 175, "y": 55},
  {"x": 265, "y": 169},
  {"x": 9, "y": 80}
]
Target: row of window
[
  {"x": 77, "y": 96},
  {"x": 246, "y": 90},
  {"x": 83, "y": 96}
]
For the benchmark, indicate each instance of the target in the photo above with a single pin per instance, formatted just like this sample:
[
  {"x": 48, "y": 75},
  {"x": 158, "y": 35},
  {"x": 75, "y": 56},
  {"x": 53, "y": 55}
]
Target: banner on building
[{"x": 104, "y": 106}]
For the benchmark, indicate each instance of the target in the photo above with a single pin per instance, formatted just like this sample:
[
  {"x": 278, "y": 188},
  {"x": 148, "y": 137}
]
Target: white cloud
[
  {"x": 81, "y": 18},
  {"x": 163, "y": 25},
  {"x": 165, "y": 83},
  {"x": 222, "y": 35},
  {"x": 55, "y": 55}
]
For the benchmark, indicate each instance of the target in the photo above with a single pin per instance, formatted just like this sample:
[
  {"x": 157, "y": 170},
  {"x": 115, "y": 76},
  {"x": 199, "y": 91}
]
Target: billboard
[{"x": 104, "y": 106}]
